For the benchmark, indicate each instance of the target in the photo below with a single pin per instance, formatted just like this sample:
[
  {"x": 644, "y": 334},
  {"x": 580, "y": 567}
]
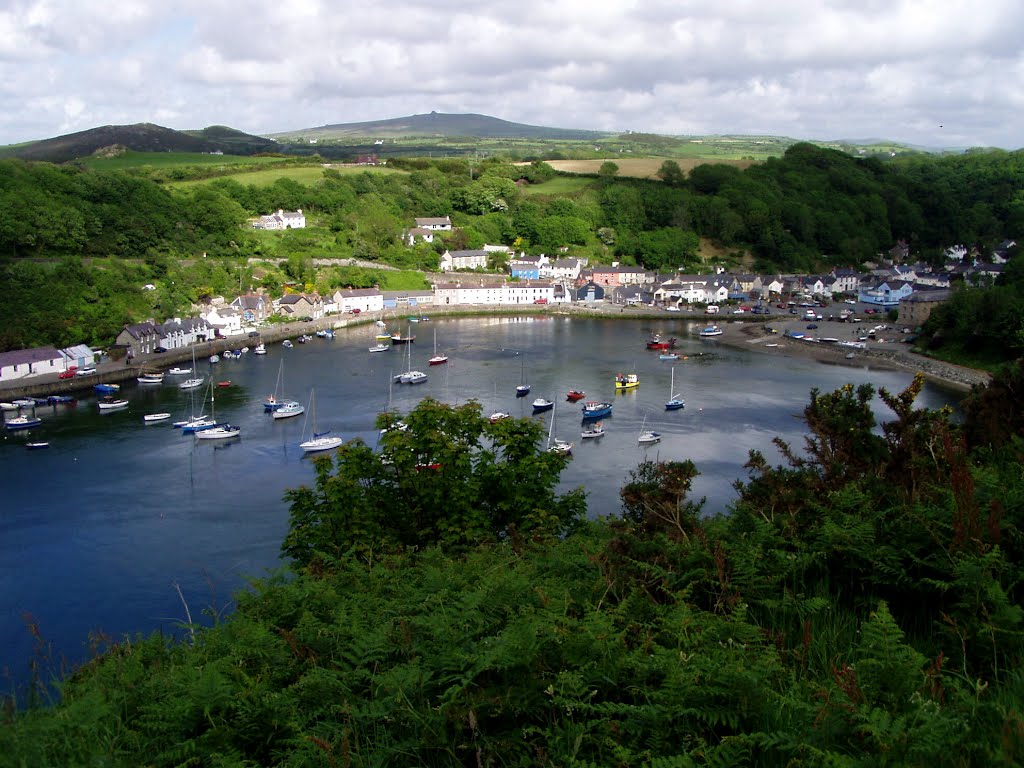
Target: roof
[
  {"x": 353, "y": 292},
  {"x": 426, "y": 222},
  {"x": 139, "y": 330},
  {"x": 25, "y": 356}
]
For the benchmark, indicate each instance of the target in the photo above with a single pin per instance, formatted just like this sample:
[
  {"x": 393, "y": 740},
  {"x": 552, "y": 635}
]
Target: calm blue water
[{"x": 98, "y": 530}]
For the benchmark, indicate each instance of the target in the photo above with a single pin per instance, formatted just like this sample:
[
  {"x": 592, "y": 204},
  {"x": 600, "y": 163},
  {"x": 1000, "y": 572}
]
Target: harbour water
[{"x": 101, "y": 530}]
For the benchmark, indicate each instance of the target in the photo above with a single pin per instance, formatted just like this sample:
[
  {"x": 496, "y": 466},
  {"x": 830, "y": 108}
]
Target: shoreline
[
  {"x": 752, "y": 336},
  {"x": 740, "y": 333}
]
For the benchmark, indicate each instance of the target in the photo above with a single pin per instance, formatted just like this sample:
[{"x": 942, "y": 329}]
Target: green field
[
  {"x": 132, "y": 159},
  {"x": 303, "y": 174},
  {"x": 560, "y": 185}
]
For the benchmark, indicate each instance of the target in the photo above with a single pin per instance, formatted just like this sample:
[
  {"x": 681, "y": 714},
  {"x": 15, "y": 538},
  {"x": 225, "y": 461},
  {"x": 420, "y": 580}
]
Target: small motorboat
[
  {"x": 224, "y": 384},
  {"x": 191, "y": 383},
  {"x": 23, "y": 422},
  {"x": 575, "y": 395},
  {"x": 179, "y": 371},
  {"x": 593, "y": 432},
  {"x": 286, "y": 343},
  {"x": 379, "y": 348},
  {"x": 153, "y": 418},
  {"x": 37, "y": 445},
  {"x": 112, "y": 403},
  {"x": 542, "y": 404},
  {"x": 499, "y": 416}
]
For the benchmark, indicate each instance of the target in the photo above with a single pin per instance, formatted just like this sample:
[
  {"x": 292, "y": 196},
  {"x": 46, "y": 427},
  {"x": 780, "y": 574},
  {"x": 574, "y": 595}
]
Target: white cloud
[{"x": 841, "y": 68}]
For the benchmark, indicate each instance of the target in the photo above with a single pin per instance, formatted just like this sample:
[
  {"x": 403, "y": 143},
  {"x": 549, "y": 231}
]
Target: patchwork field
[{"x": 639, "y": 167}]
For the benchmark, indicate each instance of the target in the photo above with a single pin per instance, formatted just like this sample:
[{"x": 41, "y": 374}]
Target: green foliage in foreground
[{"x": 859, "y": 605}]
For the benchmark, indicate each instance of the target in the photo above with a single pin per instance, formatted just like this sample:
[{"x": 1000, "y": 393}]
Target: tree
[
  {"x": 671, "y": 174},
  {"x": 608, "y": 170},
  {"x": 448, "y": 477}
]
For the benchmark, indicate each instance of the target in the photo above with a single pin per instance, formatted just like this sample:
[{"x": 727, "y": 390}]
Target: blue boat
[
  {"x": 542, "y": 404},
  {"x": 106, "y": 389},
  {"x": 596, "y": 410}
]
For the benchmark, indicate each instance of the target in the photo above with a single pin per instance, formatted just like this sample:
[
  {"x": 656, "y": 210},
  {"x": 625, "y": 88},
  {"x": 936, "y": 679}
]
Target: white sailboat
[
  {"x": 411, "y": 376},
  {"x": 219, "y": 431},
  {"x": 557, "y": 445},
  {"x": 320, "y": 441},
  {"x": 647, "y": 436}
]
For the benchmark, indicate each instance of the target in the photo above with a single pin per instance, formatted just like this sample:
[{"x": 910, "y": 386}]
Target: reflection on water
[{"x": 99, "y": 528}]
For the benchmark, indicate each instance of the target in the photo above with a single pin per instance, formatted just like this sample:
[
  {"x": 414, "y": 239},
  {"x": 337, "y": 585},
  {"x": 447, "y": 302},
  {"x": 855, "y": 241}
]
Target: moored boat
[
  {"x": 23, "y": 422},
  {"x": 106, "y": 389},
  {"x": 626, "y": 381},
  {"x": 542, "y": 404},
  {"x": 499, "y": 416},
  {"x": 289, "y": 409},
  {"x": 593, "y": 432},
  {"x": 179, "y": 371},
  {"x": 112, "y": 403},
  {"x": 710, "y": 332},
  {"x": 656, "y": 342},
  {"x": 38, "y": 445},
  {"x": 191, "y": 383},
  {"x": 575, "y": 395},
  {"x": 379, "y": 348},
  {"x": 150, "y": 377},
  {"x": 153, "y": 418},
  {"x": 596, "y": 410}
]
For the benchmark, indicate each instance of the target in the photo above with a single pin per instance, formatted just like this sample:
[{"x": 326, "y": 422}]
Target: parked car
[
  {"x": 160, "y": 349},
  {"x": 356, "y": 311},
  {"x": 812, "y": 326},
  {"x": 69, "y": 373},
  {"x": 540, "y": 301},
  {"x": 88, "y": 371},
  {"x": 671, "y": 308}
]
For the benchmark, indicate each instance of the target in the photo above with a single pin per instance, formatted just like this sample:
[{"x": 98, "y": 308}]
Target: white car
[
  {"x": 85, "y": 371},
  {"x": 672, "y": 309}
]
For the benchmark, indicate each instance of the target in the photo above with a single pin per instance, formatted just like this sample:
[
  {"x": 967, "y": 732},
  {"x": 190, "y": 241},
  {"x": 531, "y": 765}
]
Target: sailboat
[
  {"x": 557, "y": 445},
  {"x": 646, "y": 435},
  {"x": 197, "y": 422},
  {"x": 219, "y": 431},
  {"x": 523, "y": 389},
  {"x": 674, "y": 402},
  {"x": 437, "y": 359},
  {"x": 274, "y": 401},
  {"x": 411, "y": 376},
  {"x": 320, "y": 441}
]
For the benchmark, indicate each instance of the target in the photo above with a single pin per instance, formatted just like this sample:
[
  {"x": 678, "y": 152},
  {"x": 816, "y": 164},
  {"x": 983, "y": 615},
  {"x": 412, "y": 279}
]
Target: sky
[{"x": 935, "y": 73}]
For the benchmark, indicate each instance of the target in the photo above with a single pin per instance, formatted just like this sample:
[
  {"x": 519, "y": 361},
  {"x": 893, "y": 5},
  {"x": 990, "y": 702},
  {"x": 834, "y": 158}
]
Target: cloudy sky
[{"x": 930, "y": 72}]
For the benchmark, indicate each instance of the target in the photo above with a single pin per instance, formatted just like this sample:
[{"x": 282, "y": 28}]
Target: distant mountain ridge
[
  {"x": 141, "y": 137},
  {"x": 440, "y": 124}
]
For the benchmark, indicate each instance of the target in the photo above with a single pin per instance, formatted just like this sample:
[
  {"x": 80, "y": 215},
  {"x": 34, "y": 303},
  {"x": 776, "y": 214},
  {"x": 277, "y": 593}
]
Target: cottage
[
  {"x": 452, "y": 261},
  {"x": 254, "y": 307},
  {"x": 435, "y": 224},
  {"x": 138, "y": 339},
  {"x": 21, "y": 363},
  {"x": 301, "y": 305},
  {"x": 179, "y": 333},
  {"x": 917, "y": 307},
  {"x": 362, "y": 299},
  {"x": 281, "y": 220}
]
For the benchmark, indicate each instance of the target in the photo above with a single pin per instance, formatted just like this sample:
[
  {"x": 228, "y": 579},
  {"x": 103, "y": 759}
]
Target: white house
[
  {"x": 418, "y": 233},
  {"x": 281, "y": 220},
  {"x": 225, "y": 321},
  {"x": 435, "y": 224},
  {"x": 21, "y": 363},
  {"x": 363, "y": 299}
]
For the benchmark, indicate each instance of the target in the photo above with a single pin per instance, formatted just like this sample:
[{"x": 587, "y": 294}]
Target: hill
[
  {"x": 439, "y": 124},
  {"x": 141, "y": 137}
]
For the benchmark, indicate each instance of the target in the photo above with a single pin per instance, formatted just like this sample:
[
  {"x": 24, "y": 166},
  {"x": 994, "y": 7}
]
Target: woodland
[
  {"x": 77, "y": 243},
  {"x": 441, "y": 604}
]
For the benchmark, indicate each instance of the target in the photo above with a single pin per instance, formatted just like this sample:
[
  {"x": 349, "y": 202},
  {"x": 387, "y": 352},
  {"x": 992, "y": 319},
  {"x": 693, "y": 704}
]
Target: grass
[
  {"x": 560, "y": 185},
  {"x": 132, "y": 159},
  {"x": 307, "y": 175}
]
